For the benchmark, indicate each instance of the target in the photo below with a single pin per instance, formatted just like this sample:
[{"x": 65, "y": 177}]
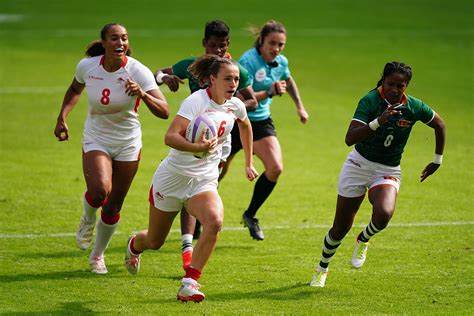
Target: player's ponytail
[
  {"x": 95, "y": 48},
  {"x": 393, "y": 67},
  {"x": 205, "y": 66}
]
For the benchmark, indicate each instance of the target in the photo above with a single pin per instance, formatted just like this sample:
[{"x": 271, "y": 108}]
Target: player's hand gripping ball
[{"x": 199, "y": 125}]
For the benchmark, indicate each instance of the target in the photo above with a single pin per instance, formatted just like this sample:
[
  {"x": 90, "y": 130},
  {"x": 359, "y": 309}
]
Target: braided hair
[{"x": 393, "y": 67}]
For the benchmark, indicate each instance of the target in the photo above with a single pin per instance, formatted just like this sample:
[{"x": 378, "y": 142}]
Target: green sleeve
[
  {"x": 424, "y": 113},
  {"x": 244, "y": 78},
  {"x": 180, "y": 69},
  {"x": 362, "y": 112}
]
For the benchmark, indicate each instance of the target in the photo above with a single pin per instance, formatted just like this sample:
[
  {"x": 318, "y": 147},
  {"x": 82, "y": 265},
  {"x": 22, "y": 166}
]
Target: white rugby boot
[
  {"x": 189, "y": 291},
  {"x": 319, "y": 279},
  {"x": 84, "y": 233},
  {"x": 360, "y": 254},
  {"x": 132, "y": 262},
  {"x": 98, "y": 265}
]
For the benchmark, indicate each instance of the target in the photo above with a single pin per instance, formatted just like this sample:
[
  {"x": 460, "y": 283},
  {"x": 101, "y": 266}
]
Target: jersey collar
[
  {"x": 125, "y": 60},
  {"x": 404, "y": 97}
]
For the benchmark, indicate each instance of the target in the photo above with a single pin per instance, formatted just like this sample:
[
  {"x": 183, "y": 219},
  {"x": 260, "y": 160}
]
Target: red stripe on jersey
[
  {"x": 150, "y": 196},
  {"x": 139, "y": 155},
  {"x": 125, "y": 60},
  {"x": 238, "y": 120},
  {"x": 209, "y": 93},
  {"x": 137, "y": 103}
]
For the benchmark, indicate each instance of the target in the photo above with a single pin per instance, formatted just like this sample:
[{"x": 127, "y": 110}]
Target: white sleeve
[
  {"x": 144, "y": 77},
  {"x": 190, "y": 107},
  {"x": 241, "y": 112},
  {"x": 81, "y": 70}
]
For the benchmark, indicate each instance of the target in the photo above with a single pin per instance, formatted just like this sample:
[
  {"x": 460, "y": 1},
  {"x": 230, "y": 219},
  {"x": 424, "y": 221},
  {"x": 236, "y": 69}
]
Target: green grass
[{"x": 337, "y": 50}]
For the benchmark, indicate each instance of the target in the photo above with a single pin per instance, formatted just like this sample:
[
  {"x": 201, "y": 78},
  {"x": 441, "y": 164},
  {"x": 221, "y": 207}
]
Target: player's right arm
[
  {"x": 175, "y": 139},
  {"x": 71, "y": 98},
  {"x": 168, "y": 77}
]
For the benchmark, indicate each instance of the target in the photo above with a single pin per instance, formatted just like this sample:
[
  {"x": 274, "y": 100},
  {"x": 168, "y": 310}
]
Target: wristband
[
  {"x": 438, "y": 159},
  {"x": 374, "y": 124},
  {"x": 270, "y": 92},
  {"x": 159, "y": 77}
]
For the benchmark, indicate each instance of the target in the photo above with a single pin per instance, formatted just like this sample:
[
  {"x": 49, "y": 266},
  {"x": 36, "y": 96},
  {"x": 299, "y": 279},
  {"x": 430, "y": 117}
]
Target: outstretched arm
[
  {"x": 440, "y": 135},
  {"x": 71, "y": 98},
  {"x": 292, "y": 89},
  {"x": 167, "y": 76}
]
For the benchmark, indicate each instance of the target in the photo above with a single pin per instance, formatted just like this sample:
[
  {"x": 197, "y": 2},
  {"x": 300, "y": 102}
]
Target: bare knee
[
  {"x": 273, "y": 172},
  {"x": 382, "y": 216},
  {"x": 98, "y": 195},
  {"x": 214, "y": 226}
]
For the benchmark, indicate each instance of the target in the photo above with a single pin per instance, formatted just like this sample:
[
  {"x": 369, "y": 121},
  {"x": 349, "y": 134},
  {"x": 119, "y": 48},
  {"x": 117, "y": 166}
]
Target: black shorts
[{"x": 260, "y": 129}]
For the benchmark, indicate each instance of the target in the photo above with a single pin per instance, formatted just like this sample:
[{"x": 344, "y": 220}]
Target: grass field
[{"x": 421, "y": 264}]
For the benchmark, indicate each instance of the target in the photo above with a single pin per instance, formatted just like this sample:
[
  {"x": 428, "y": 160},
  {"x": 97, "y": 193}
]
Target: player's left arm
[
  {"x": 437, "y": 123},
  {"x": 154, "y": 99},
  {"x": 246, "y": 137},
  {"x": 292, "y": 89}
]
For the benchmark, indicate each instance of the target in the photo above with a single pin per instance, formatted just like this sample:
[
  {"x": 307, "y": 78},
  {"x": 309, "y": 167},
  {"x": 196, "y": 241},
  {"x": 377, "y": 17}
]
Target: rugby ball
[{"x": 198, "y": 125}]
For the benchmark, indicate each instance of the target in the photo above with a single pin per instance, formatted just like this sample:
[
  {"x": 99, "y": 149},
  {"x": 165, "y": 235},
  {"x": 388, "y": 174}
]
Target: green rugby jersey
[
  {"x": 180, "y": 69},
  {"x": 386, "y": 144}
]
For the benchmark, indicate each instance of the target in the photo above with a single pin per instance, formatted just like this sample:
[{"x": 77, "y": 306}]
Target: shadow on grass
[
  {"x": 65, "y": 309},
  {"x": 64, "y": 275},
  {"x": 78, "y": 253},
  {"x": 295, "y": 292}
]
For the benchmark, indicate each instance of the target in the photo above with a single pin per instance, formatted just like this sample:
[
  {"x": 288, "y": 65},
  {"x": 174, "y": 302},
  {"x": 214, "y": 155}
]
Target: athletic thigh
[
  {"x": 122, "y": 177},
  {"x": 207, "y": 207},
  {"x": 269, "y": 151},
  {"x": 97, "y": 169}
]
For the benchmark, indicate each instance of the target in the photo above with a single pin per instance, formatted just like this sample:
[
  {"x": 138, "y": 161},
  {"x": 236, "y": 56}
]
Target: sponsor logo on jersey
[
  {"x": 354, "y": 163},
  {"x": 120, "y": 80},
  {"x": 229, "y": 110},
  {"x": 159, "y": 196},
  {"x": 95, "y": 78},
  {"x": 260, "y": 75},
  {"x": 404, "y": 123}
]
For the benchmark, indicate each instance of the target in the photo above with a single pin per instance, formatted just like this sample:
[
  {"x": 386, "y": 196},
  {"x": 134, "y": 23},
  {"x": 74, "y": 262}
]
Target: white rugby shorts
[
  {"x": 170, "y": 190},
  {"x": 359, "y": 174},
  {"x": 130, "y": 152}
]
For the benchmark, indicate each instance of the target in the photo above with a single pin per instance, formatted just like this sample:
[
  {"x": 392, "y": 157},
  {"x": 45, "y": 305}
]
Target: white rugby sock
[
  {"x": 102, "y": 238},
  {"x": 89, "y": 210},
  {"x": 186, "y": 242}
]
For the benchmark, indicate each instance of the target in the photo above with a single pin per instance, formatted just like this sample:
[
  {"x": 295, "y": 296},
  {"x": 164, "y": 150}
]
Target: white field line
[{"x": 309, "y": 226}]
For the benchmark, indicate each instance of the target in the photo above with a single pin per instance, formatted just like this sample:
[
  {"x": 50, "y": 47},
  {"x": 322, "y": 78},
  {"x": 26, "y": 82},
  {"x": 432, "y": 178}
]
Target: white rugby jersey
[
  {"x": 225, "y": 115},
  {"x": 113, "y": 115}
]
